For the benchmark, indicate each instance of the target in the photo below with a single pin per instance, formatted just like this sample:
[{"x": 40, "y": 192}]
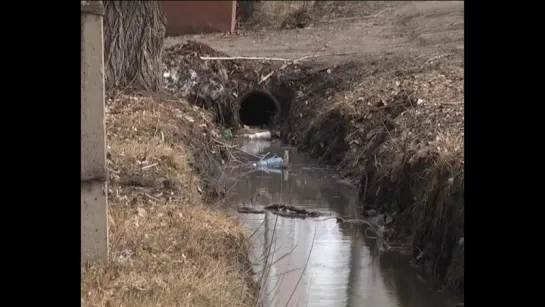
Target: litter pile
[
  {"x": 212, "y": 84},
  {"x": 215, "y": 81},
  {"x": 209, "y": 84},
  {"x": 291, "y": 211}
]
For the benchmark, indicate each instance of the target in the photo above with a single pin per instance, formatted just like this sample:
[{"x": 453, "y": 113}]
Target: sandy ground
[{"x": 406, "y": 29}]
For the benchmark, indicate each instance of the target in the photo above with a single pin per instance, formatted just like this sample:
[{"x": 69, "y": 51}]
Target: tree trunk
[{"x": 134, "y": 32}]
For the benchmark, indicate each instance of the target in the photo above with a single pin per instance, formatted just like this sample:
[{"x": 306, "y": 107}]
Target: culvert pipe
[{"x": 258, "y": 108}]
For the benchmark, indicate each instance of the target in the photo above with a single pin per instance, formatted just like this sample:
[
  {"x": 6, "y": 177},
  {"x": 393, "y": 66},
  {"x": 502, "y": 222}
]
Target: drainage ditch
[
  {"x": 313, "y": 259},
  {"x": 404, "y": 153}
]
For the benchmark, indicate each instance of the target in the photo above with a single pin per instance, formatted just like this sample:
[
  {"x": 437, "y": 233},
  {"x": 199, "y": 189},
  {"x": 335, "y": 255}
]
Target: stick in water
[{"x": 304, "y": 268}]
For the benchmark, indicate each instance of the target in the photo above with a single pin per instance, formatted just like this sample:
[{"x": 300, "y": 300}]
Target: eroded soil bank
[{"x": 400, "y": 138}]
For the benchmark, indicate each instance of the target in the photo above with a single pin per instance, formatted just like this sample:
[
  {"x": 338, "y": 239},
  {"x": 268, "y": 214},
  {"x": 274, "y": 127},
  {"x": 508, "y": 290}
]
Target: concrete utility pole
[{"x": 94, "y": 190}]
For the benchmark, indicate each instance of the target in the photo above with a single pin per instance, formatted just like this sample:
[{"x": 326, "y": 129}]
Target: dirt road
[{"x": 406, "y": 31}]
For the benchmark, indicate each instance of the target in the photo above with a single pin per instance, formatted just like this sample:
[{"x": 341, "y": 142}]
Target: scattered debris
[
  {"x": 275, "y": 162},
  {"x": 266, "y": 135},
  {"x": 284, "y": 210},
  {"x": 214, "y": 80},
  {"x": 226, "y": 134},
  {"x": 294, "y": 212},
  {"x": 249, "y": 210}
]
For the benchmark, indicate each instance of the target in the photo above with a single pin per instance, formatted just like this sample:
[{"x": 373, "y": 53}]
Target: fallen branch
[
  {"x": 354, "y": 18},
  {"x": 303, "y": 58},
  {"x": 247, "y": 210},
  {"x": 223, "y": 144},
  {"x": 291, "y": 211},
  {"x": 452, "y": 102},
  {"x": 266, "y": 77},
  {"x": 438, "y": 57},
  {"x": 253, "y": 58},
  {"x": 250, "y": 58},
  {"x": 151, "y": 197},
  {"x": 264, "y": 156},
  {"x": 149, "y": 166},
  {"x": 235, "y": 148}
]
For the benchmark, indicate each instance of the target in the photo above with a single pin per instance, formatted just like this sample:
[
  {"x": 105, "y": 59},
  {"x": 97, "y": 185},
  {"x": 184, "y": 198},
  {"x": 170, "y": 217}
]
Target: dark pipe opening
[{"x": 258, "y": 108}]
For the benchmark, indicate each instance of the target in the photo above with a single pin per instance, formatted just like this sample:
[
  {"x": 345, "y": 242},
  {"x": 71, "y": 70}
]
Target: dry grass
[
  {"x": 280, "y": 14},
  {"x": 167, "y": 248},
  {"x": 421, "y": 115},
  {"x": 416, "y": 163},
  {"x": 401, "y": 134}
]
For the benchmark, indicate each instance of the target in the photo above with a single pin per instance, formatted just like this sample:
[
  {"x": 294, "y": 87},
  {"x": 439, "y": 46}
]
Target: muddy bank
[{"x": 168, "y": 245}]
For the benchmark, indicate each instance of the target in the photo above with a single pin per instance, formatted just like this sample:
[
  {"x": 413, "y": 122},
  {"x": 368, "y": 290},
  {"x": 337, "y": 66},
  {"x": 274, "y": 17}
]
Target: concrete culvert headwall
[{"x": 258, "y": 108}]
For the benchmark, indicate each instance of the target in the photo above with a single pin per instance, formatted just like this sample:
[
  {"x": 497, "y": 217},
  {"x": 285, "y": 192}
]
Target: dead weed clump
[{"x": 167, "y": 248}]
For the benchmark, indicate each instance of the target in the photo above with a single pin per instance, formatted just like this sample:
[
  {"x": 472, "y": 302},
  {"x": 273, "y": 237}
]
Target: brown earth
[{"x": 382, "y": 97}]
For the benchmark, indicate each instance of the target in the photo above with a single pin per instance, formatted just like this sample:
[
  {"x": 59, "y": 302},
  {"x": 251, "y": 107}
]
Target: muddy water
[{"x": 317, "y": 262}]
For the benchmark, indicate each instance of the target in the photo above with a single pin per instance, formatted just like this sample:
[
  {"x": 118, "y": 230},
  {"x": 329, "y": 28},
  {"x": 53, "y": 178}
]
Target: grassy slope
[{"x": 167, "y": 247}]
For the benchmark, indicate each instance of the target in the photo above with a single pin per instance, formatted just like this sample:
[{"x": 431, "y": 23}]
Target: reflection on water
[{"x": 341, "y": 268}]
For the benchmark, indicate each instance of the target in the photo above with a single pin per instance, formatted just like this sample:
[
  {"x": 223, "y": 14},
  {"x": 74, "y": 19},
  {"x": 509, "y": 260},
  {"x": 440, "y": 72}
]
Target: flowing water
[{"x": 317, "y": 262}]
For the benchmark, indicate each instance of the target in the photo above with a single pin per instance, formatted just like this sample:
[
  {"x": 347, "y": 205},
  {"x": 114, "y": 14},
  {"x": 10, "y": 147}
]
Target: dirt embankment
[
  {"x": 167, "y": 247},
  {"x": 400, "y": 137}
]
